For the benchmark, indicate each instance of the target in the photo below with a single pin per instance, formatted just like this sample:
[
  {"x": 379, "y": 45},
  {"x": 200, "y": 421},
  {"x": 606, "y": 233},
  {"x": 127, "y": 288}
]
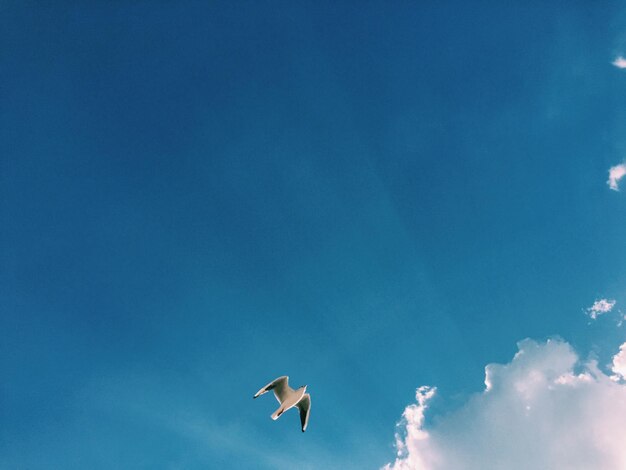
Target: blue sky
[{"x": 196, "y": 199}]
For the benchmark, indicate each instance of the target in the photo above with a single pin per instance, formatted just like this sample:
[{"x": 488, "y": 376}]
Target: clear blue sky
[{"x": 198, "y": 198}]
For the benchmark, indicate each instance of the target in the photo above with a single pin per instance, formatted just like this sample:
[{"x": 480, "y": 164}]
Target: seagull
[{"x": 288, "y": 398}]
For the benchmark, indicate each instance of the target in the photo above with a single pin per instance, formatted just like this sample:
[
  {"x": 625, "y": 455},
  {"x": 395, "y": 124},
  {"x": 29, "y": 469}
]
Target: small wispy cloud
[
  {"x": 616, "y": 173},
  {"x": 620, "y": 62},
  {"x": 600, "y": 307}
]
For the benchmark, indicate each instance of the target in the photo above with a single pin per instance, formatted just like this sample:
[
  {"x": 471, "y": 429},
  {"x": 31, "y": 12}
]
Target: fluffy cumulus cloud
[
  {"x": 544, "y": 409},
  {"x": 600, "y": 307},
  {"x": 616, "y": 173},
  {"x": 619, "y": 364},
  {"x": 620, "y": 62}
]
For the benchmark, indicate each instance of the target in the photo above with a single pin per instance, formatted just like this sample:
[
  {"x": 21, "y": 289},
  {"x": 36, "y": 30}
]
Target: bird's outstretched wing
[
  {"x": 280, "y": 386},
  {"x": 304, "y": 405}
]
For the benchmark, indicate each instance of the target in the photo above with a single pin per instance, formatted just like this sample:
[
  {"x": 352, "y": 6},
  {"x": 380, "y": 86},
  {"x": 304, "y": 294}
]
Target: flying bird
[{"x": 288, "y": 398}]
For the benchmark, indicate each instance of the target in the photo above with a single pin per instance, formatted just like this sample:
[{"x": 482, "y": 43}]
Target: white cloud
[
  {"x": 414, "y": 448},
  {"x": 616, "y": 173},
  {"x": 600, "y": 307},
  {"x": 544, "y": 409},
  {"x": 619, "y": 364},
  {"x": 620, "y": 62}
]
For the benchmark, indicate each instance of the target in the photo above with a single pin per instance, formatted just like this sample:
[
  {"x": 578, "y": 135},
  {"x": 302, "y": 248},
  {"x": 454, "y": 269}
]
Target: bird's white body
[{"x": 289, "y": 398}]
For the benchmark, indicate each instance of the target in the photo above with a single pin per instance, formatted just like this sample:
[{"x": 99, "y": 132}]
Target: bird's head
[{"x": 304, "y": 387}]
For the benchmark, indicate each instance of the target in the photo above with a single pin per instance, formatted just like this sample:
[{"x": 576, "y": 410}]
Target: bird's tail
[{"x": 277, "y": 413}]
